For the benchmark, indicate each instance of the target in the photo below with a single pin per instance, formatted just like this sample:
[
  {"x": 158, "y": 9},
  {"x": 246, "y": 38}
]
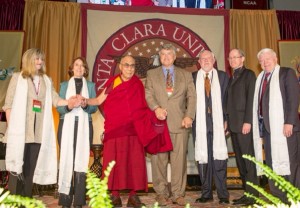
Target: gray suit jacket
[
  {"x": 182, "y": 103},
  {"x": 290, "y": 92}
]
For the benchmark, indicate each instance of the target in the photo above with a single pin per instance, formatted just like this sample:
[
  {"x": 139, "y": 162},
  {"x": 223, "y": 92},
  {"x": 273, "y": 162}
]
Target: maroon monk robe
[{"x": 129, "y": 127}]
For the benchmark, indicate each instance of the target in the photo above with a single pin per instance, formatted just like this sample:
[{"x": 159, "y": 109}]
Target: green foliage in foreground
[
  {"x": 98, "y": 190},
  {"x": 11, "y": 201},
  {"x": 292, "y": 193}
]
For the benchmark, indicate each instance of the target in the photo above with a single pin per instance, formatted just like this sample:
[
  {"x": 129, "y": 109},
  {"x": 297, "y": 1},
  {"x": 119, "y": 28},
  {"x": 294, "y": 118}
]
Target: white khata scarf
[
  {"x": 46, "y": 168},
  {"x": 219, "y": 142},
  {"x": 67, "y": 141},
  {"x": 279, "y": 148}
]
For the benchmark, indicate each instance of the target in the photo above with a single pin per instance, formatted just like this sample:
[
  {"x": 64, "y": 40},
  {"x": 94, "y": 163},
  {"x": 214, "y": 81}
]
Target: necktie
[
  {"x": 263, "y": 89},
  {"x": 169, "y": 83},
  {"x": 207, "y": 85}
]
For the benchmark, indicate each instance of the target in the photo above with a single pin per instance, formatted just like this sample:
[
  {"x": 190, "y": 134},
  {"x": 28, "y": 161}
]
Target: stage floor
[{"x": 149, "y": 199}]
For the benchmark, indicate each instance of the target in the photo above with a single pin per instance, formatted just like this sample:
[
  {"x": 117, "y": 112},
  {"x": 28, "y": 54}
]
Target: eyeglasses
[
  {"x": 235, "y": 57},
  {"x": 126, "y": 65}
]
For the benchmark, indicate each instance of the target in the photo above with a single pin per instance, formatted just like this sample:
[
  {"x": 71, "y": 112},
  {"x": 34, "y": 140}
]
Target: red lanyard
[{"x": 36, "y": 89}]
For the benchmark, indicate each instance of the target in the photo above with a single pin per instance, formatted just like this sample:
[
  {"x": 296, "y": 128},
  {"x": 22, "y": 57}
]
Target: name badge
[
  {"x": 169, "y": 91},
  {"x": 36, "y": 106}
]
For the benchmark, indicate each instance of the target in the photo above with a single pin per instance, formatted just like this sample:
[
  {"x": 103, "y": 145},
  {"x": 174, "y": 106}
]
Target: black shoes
[
  {"x": 243, "y": 201},
  {"x": 203, "y": 200},
  {"x": 223, "y": 201},
  {"x": 235, "y": 200}
]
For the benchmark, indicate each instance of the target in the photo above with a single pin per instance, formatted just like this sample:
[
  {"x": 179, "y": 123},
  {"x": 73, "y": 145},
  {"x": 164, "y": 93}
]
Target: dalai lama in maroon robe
[{"x": 130, "y": 129}]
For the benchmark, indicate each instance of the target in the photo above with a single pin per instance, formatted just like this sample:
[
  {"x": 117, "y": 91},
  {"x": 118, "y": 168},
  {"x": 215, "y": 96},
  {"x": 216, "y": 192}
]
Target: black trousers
[
  {"x": 293, "y": 143},
  {"x": 243, "y": 144},
  {"x": 77, "y": 190},
  {"x": 214, "y": 169},
  {"x": 24, "y": 188},
  {"x": 78, "y": 183}
]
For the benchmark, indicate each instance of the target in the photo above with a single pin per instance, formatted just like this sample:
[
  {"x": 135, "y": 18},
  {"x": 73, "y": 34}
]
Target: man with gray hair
[
  {"x": 209, "y": 129},
  {"x": 276, "y": 119},
  {"x": 170, "y": 92}
]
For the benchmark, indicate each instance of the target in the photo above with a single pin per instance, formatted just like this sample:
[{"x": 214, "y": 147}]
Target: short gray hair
[
  {"x": 266, "y": 50},
  {"x": 213, "y": 55},
  {"x": 168, "y": 46}
]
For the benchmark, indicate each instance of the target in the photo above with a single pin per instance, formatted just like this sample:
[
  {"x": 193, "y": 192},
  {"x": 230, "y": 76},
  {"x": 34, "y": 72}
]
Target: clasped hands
[
  {"x": 77, "y": 101},
  {"x": 161, "y": 114}
]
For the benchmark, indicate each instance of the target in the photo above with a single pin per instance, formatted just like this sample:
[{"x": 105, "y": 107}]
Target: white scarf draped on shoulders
[
  {"x": 219, "y": 142},
  {"x": 46, "y": 168},
  {"x": 279, "y": 148},
  {"x": 67, "y": 141}
]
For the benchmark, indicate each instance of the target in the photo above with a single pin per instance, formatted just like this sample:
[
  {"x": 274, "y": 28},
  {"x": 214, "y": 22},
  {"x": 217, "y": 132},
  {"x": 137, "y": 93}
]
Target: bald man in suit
[{"x": 170, "y": 92}]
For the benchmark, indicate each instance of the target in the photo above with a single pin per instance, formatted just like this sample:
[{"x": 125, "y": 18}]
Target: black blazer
[
  {"x": 290, "y": 92},
  {"x": 239, "y": 99},
  {"x": 223, "y": 79}
]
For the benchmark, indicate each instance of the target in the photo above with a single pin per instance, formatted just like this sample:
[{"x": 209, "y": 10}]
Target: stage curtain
[
  {"x": 11, "y": 14},
  {"x": 289, "y": 24},
  {"x": 253, "y": 30},
  {"x": 55, "y": 27}
]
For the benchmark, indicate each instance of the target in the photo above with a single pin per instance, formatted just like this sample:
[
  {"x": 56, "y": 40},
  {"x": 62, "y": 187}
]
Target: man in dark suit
[
  {"x": 209, "y": 129},
  {"x": 238, "y": 105},
  {"x": 276, "y": 102},
  {"x": 170, "y": 92}
]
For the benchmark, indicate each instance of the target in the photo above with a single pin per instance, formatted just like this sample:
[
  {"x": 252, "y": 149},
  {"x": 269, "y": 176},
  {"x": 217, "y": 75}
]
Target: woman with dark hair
[{"x": 75, "y": 134}]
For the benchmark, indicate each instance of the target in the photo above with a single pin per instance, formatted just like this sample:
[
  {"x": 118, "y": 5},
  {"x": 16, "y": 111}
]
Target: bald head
[{"x": 126, "y": 58}]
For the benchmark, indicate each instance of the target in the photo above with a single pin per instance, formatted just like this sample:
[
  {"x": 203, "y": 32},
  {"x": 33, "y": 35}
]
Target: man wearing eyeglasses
[
  {"x": 170, "y": 92},
  {"x": 239, "y": 112},
  {"x": 209, "y": 129}
]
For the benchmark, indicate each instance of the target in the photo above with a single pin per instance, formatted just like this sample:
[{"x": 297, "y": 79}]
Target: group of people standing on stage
[{"x": 154, "y": 119}]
